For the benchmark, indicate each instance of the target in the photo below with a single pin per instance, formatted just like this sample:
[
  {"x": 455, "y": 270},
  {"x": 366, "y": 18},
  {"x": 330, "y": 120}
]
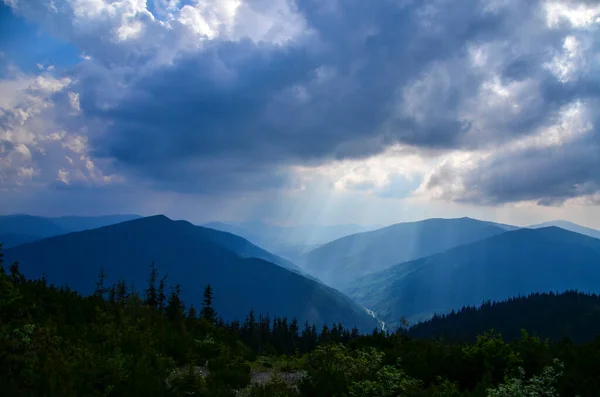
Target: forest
[{"x": 144, "y": 340}]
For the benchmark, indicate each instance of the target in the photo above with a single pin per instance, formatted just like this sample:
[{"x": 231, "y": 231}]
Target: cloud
[
  {"x": 218, "y": 97},
  {"x": 33, "y": 149},
  {"x": 557, "y": 164}
]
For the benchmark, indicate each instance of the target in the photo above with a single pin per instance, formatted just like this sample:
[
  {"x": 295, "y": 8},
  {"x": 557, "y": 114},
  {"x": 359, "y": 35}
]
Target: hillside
[
  {"x": 547, "y": 315},
  {"x": 346, "y": 259},
  {"x": 13, "y": 239},
  {"x": 573, "y": 227},
  {"x": 515, "y": 263},
  {"x": 192, "y": 256}
]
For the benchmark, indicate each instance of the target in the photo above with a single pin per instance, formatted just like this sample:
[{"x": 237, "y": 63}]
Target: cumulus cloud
[
  {"x": 33, "y": 151},
  {"x": 213, "y": 96}
]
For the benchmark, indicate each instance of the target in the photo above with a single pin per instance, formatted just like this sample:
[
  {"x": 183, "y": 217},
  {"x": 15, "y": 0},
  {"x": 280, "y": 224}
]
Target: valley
[{"x": 455, "y": 279}]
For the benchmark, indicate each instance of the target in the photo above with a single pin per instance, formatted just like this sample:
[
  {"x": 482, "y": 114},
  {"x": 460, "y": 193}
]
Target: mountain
[
  {"x": 243, "y": 247},
  {"x": 514, "y": 263},
  {"x": 79, "y": 223},
  {"x": 573, "y": 227},
  {"x": 28, "y": 225},
  {"x": 13, "y": 239},
  {"x": 578, "y": 316},
  {"x": 20, "y": 229},
  {"x": 192, "y": 256},
  {"x": 290, "y": 242},
  {"x": 349, "y": 258}
]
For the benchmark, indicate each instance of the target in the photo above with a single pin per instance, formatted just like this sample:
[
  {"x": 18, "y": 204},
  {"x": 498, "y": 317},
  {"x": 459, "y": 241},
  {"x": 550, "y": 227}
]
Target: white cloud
[
  {"x": 578, "y": 15},
  {"x": 33, "y": 142}
]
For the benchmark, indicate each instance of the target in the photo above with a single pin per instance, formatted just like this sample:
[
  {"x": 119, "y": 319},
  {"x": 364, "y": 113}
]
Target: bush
[{"x": 276, "y": 387}]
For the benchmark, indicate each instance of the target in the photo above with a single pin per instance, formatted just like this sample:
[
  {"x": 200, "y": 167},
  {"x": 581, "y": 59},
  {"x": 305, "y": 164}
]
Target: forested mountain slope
[
  {"x": 514, "y": 263},
  {"x": 192, "y": 256}
]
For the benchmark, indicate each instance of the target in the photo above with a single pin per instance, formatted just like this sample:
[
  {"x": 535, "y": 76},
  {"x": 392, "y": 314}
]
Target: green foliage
[
  {"x": 332, "y": 368},
  {"x": 389, "y": 382},
  {"x": 542, "y": 385},
  {"x": 54, "y": 342},
  {"x": 275, "y": 387}
]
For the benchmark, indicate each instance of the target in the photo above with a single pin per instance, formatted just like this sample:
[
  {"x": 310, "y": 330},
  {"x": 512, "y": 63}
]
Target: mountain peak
[
  {"x": 349, "y": 258},
  {"x": 243, "y": 275},
  {"x": 568, "y": 225}
]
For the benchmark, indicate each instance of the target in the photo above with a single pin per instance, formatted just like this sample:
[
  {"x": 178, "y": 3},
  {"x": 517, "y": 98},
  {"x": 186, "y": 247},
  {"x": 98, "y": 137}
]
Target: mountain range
[
  {"x": 573, "y": 227},
  {"x": 506, "y": 265},
  {"x": 290, "y": 242},
  {"x": 20, "y": 228},
  {"x": 412, "y": 269},
  {"x": 346, "y": 259},
  {"x": 242, "y": 275}
]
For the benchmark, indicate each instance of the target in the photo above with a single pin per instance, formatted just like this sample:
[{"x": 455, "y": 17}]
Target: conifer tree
[
  {"x": 175, "y": 309},
  {"x": 161, "y": 298},
  {"x": 121, "y": 291},
  {"x": 112, "y": 294},
  {"x": 100, "y": 289},
  {"x": 192, "y": 312},
  {"x": 208, "y": 312},
  {"x": 151, "y": 298}
]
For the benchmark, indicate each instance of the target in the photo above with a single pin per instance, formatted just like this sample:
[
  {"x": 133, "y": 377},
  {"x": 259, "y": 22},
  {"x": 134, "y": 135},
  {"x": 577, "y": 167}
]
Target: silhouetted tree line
[
  {"x": 119, "y": 342},
  {"x": 548, "y": 315}
]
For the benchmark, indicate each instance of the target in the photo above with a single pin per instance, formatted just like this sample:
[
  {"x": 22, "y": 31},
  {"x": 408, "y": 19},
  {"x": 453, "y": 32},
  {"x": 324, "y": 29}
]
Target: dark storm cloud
[
  {"x": 548, "y": 175},
  {"x": 364, "y": 76},
  {"x": 334, "y": 94}
]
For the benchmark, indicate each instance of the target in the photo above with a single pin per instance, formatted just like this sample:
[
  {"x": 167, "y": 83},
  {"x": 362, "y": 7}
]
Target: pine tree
[
  {"x": 112, "y": 294},
  {"x": 15, "y": 274},
  {"x": 100, "y": 289},
  {"x": 208, "y": 312},
  {"x": 161, "y": 298},
  {"x": 151, "y": 293},
  {"x": 192, "y": 312},
  {"x": 175, "y": 309},
  {"x": 121, "y": 291},
  {"x": 294, "y": 328}
]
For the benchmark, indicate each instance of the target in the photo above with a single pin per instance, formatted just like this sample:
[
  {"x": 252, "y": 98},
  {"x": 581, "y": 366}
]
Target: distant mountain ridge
[
  {"x": 509, "y": 264},
  {"x": 22, "y": 228},
  {"x": 344, "y": 260},
  {"x": 192, "y": 256},
  {"x": 573, "y": 227},
  {"x": 287, "y": 241}
]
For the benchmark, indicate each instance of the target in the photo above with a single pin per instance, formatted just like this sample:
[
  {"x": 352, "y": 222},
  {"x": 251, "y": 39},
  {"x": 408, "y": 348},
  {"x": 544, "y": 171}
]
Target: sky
[{"x": 302, "y": 111}]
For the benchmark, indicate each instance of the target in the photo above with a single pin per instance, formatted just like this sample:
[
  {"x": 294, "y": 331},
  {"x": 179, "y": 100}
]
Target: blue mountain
[
  {"x": 192, "y": 257},
  {"x": 514, "y": 263},
  {"x": 347, "y": 259},
  {"x": 20, "y": 228},
  {"x": 290, "y": 242},
  {"x": 573, "y": 227}
]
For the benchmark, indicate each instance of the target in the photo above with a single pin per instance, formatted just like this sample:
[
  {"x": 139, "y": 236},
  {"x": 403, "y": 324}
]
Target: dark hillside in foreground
[
  {"x": 514, "y": 263},
  {"x": 192, "y": 256},
  {"x": 548, "y": 315}
]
